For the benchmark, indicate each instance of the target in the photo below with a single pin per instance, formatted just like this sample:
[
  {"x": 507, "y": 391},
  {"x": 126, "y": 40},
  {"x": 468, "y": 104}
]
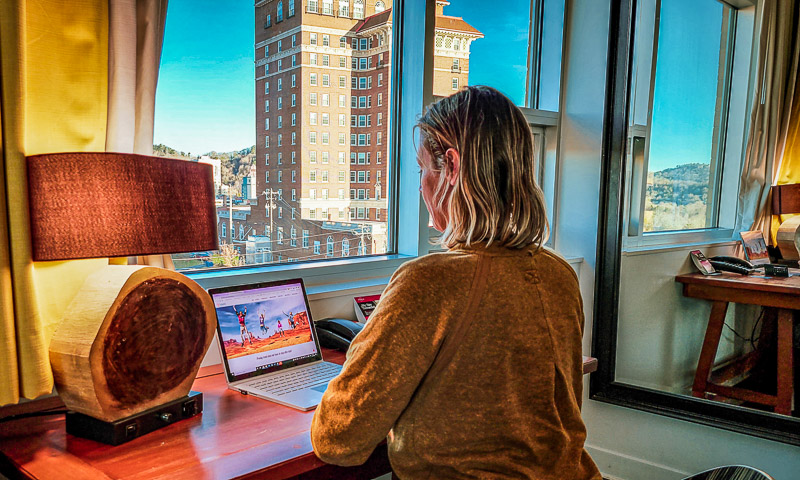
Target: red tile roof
[
  {"x": 456, "y": 24},
  {"x": 375, "y": 20}
]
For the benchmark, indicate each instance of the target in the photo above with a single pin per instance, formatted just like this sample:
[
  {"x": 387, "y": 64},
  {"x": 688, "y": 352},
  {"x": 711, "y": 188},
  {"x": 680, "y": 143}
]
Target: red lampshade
[{"x": 85, "y": 205}]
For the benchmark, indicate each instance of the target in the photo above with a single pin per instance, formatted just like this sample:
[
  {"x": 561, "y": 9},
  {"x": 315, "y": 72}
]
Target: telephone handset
[{"x": 726, "y": 263}]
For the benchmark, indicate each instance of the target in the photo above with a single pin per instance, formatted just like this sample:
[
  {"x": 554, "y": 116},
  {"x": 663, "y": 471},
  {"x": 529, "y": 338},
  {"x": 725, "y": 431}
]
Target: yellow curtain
[
  {"x": 54, "y": 60},
  {"x": 790, "y": 165}
]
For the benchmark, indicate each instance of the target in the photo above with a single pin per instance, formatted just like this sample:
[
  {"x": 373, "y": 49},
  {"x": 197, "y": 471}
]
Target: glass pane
[
  {"x": 494, "y": 48},
  {"x": 291, "y": 170},
  {"x": 687, "y": 94}
]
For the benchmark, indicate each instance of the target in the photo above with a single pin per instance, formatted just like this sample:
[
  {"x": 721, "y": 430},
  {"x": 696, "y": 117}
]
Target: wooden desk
[
  {"x": 235, "y": 437},
  {"x": 780, "y": 296}
]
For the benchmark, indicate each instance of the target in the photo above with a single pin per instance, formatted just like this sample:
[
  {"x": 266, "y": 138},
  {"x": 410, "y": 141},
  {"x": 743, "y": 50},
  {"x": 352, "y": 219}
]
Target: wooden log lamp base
[{"x": 128, "y": 349}]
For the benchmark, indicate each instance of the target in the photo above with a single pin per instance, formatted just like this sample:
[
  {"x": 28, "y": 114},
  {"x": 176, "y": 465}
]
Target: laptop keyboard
[{"x": 297, "y": 379}]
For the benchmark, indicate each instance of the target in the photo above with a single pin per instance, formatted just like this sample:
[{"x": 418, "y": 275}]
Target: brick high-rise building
[{"x": 323, "y": 83}]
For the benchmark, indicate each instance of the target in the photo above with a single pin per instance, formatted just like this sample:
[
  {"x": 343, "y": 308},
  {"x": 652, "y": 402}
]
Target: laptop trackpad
[{"x": 320, "y": 388}]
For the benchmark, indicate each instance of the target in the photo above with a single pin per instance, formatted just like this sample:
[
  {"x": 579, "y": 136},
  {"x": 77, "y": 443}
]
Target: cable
[{"x": 32, "y": 414}]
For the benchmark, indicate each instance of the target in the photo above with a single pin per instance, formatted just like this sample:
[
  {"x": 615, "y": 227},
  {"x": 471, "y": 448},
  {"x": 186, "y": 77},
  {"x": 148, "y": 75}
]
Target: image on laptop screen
[{"x": 264, "y": 327}]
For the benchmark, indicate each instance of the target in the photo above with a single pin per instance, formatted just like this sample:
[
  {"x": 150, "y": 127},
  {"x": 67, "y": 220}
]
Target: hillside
[
  {"x": 235, "y": 165},
  {"x": 677, "y": 198}
]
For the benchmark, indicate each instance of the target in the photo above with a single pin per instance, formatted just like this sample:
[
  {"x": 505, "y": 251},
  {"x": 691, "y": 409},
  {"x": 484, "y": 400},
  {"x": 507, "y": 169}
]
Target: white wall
[{"x": 626, "y": 443}]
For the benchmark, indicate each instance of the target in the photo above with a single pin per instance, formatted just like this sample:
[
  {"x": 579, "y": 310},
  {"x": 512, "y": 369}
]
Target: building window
[
  {"x": 266, "y": 88},
  {"x": 316, "y": 242},
  {"x": 327, "y": 7},
  {"x": 326, "y": 119},
  {"x": 312, "y": 98},
  {"x": 241, "y": 232},
  {"x": 294, "y": 38},
  {"x": 294, "y": 176},
  {"x": 266, "y": 141},
  {"x": 455, "y": 84},
  {"x": 313, "y": 79},
  {"x": 378, "y": 139},
  {"x": 312, "y": 176},
  {"x": 343, "y": 100},
  {"x": 223, "y": 230},
  {"x": 305, "y": 238},
  {"x": 342, "y": 62},
  {"x": 342, "y": 84},
  {"x": 344, "y": 11},
  {"x": 293, "y": 153},
  {"x": 280, "y": 121},
  {"x": 312, "y": 118},
  {"x": 312, "y": 138},
  {"x": 312, "y": 58},
  {"x": 294, "y": 140},
  {"x": 326, "y": 79},
  {"x": 324, "y": 193},
  {"x": 294, "y": 80},
  {"x": 329, "y": 251},
  {"x": 268, "y": 23},
  {"x": 326, "y": 60},
  {"x": 266, "y": 123},
  {"x": 294, "y": 197},
  {"x": 326, "y": 40},
  {"x": 341, "y": 155},
  {"x": 280, "y": 159},
  {"x": 380, "y": 99},
  {"x": 294, "y": 61},
  {"x": 280, "y": 103},
  {"x": 291, "y": 12},
  {"x": 312, "y": 157},
  {"x": 266, "y": 106},
  {"x": 280, "y": 176},
  {"x": 279, "y": 14},
  {"x": 379, "y": 6},
  {"x": 313, "y": 6},
  {"x": 294, "y": 115},
  {"x": 280, "y": 233},
  {"x": 380, "y": 118},
  {"x": 326, "y": 100},
  {"x": 342, "y": 120},
  {"x": 342, "y": 138}
]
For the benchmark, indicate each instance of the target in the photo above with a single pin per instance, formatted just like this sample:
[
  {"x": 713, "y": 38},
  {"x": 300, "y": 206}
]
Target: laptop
[{"x": 269, "y": 344}]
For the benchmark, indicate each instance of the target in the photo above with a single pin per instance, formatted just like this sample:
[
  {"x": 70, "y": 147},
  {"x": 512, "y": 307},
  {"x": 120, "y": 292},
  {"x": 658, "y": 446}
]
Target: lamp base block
[{"x": 134, "y": 426}]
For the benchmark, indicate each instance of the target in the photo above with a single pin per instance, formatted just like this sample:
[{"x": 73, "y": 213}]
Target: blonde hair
[{"x": 495, "y": 198}]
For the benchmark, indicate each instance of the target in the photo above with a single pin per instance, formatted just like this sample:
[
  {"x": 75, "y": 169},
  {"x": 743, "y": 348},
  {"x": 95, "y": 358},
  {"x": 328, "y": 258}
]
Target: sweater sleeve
[{"x": 385, "y": 364}]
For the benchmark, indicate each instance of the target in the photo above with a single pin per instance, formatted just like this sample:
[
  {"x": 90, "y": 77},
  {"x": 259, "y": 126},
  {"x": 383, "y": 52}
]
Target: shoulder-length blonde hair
[{"x": 495, "y": 198}]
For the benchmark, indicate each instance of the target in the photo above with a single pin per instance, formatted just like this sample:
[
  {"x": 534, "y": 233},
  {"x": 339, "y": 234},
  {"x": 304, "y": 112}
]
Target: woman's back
[{"x": 494, "y": 337}]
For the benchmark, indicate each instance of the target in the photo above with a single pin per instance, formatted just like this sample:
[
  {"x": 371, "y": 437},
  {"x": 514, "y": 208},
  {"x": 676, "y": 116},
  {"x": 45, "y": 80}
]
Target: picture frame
[{"x": 755, "y": 247}]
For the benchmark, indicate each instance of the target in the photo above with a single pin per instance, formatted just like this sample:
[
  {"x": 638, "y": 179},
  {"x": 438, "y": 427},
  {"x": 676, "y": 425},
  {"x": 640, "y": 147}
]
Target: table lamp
[{"x": 128, "y": 348}]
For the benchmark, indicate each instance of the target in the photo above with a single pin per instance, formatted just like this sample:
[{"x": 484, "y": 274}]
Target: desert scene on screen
[{"x": 257, "y": 334}]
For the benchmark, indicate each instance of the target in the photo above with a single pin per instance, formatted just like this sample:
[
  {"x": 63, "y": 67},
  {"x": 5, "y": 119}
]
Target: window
[
  {"x": 326, "y": 80},
  {"x": 342, "y": 84},
  {"x": 280, "y": 103},
  {"x": 294, "y": 80},
  {"x": 279, "y": 15},
  {"x": 379, "y": 6},
  {"x": 313, "y": 79},
  {"x": 326, "y": 60},
  {"x": 294, "y": 38},
  {"x": 294, "y": 100},
  {"x": 222, "y": 229},
  {"x": 342, "y": 62},
  {"x": 266, "y": 51},
  {"x": 363, "y": 43},
  {"x": 312, "y": 58},
  {"x": 312, "y": 98},
  {"x": 268, "y": 23},
  {"x": 316, "y": 242},
  {"x": 343, "y": 101},
  {"x": 294, "y": 141},
  {"x": 293, "y": 153},
  {"x": 380, "y": 119},
  {"x": 341, "y": 175},
  {"x": 326, "y": 119},
  {"x": 291, "y": 14},
  {"x": 325, "y": 138},
  {"x": 341, "y": 154},
  {"x": 341, "y": 193},
  {"x": 326, "y": 40},
  {"x": 342, "y": 120},
  {"x": 345, "y": 247},
  {"x": 294, "y": 61},
  {"x": 326, "y": 100},
  {"x": 305, "y": 238},
  {"x": 312, "y": 157},
  {"x": 325, "y": 156},
  {"x": 280, "y": 233},
  {"x": 280, "y": 46},
  {"x": 324, "y": 175},
  {"x": 455, "y": 84},
  {"x": 266, "y": 123},
  {"x": 378, "y": 139},
  {"x": 344, "y": 11},
  {"x": 280, "y": 159},
  {"x": 329, "y": 251},
  {"x": 342, "y": 138},
  {"x": 312, "y": 138},
  {"x": 266, "y": 176},
  {"x": 380, "y": 99},
  {"x": 280, "y": 84},
  {"x": 294, "y": 176},
  {"x": 294, "y": 197},
  {"x": 294, "y": 115},
  {"x": 380, "y": 79},
  {"x": 362, "y": 83},
  {"x": 280, "y": 66},
  {"x": 280, "y": 121},
  {"x": 266, "y": 141},
  {"x": 280, "y": 139},
  {"x": 293, "y": 233},
  {"x": 324, "y": 193},
  {"x": 312, "y": 39},
  {"x": 266, "y": 159},
  {"x": 327, "y": 7},
  {"x": 266, "y": 88},
  {"x": 266, "y": 106},
  {"x": 280, "y": 176},
  {"x": 362, "y": 63},
  {"x": 241, "y": 232}
]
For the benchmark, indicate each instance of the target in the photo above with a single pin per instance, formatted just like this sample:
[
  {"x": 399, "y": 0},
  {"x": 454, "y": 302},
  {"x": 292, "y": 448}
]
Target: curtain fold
[
  {"x": 790, "y": 164},
  {"x": 778, "y": 51},
  {"x": 54, "y": 88},
  {"x": 133, "y": 76}
]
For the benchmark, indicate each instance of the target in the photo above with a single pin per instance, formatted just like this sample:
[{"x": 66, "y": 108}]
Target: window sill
[
  {"x": 665, "y": 242},
  {"x": 330, "y": 274}
]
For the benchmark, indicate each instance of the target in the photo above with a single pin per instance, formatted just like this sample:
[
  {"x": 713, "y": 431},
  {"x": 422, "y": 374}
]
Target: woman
[{"x": 471, "y": 363}]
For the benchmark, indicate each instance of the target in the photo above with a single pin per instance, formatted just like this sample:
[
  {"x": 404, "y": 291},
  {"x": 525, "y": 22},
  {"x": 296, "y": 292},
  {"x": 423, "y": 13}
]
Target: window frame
[{"x": 603, "y": 385}]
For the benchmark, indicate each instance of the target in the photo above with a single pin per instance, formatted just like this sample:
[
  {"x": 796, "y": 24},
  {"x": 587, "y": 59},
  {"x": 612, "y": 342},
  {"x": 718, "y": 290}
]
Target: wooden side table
[{"x": 780, "y": 297}]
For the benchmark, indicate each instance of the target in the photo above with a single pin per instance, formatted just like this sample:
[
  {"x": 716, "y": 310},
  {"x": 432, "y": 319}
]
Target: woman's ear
[{"x": 453, "y": 165}]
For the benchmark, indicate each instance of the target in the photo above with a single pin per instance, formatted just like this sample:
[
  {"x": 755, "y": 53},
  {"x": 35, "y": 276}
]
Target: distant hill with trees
[
  {"x": 677, "y": 198},
  {"x": 235, "y": 165}
]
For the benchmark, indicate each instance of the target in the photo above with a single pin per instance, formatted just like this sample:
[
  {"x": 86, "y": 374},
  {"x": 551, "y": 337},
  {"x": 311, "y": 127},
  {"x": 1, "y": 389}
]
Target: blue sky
[{"x": 686, "y": 83}]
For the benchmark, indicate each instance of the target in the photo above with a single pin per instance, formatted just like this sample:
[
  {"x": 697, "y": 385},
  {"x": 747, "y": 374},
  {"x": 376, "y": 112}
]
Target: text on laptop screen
[{"x": 264, "y": 327}]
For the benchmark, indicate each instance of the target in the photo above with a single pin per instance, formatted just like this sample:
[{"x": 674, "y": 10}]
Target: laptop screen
[{"x": 264, "y": 328}]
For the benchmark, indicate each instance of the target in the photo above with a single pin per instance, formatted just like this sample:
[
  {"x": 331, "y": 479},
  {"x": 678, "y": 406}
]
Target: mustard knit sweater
[{"x": 471, "y": 364}]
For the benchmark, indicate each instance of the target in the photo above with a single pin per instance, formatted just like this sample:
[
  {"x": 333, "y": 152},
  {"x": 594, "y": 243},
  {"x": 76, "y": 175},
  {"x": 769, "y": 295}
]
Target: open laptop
[{"x": 269, "y": 344}]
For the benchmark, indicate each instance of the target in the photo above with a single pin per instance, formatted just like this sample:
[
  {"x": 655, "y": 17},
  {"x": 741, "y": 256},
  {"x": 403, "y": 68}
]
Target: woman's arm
[{"x": 385, "y": 364}]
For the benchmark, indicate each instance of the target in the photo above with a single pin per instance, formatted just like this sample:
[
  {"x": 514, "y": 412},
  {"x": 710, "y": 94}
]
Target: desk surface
[
  {"x": 235, "y": 437},
  {"x": 777, "y": 292}
]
